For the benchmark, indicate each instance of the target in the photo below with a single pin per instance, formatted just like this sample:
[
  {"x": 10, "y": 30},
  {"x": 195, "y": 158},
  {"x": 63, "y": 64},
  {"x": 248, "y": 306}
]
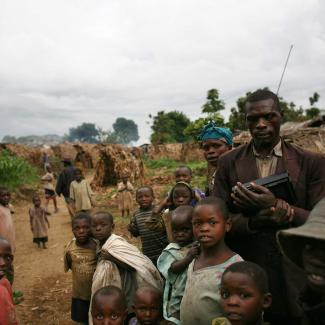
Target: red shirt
[{"x": 7, "y": 310}]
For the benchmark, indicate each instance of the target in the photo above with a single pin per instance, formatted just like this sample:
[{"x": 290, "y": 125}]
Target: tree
[
  {"x": 237, "y": 118},
  {"x": 313, "y": 111},
  {"x": 125, "y": 130},
  {"x": 213, "y": 104},
  {"x": 169, "y": 127},
  {"x": 86, "y": 132}
]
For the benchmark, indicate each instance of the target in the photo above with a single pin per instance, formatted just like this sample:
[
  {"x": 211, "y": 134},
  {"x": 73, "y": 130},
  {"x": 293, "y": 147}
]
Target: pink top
[
  {"x": 7, "y": 310},
  {"x": 7, "y": 229}
]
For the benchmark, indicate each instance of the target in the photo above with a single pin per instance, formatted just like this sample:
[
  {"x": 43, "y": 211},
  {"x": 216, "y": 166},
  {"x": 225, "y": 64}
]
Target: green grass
[{"x": 16, "y": 171}]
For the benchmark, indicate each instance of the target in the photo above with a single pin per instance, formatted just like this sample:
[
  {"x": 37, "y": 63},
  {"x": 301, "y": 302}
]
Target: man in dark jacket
[
  {"x": 258, "y": 214},
  {"x": 65, "y": 178}
]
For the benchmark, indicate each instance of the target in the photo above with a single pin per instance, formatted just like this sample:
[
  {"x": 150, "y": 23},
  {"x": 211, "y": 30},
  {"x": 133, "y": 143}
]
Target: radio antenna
[{"x": 284, "y": 69}]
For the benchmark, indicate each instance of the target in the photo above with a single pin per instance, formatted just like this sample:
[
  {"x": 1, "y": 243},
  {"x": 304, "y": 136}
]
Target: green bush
[{"x": 15, "y": 171}]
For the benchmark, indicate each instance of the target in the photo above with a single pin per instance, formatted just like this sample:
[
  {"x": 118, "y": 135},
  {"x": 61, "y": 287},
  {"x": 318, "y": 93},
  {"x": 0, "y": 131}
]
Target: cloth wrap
[{"x": 212, "y": 131}]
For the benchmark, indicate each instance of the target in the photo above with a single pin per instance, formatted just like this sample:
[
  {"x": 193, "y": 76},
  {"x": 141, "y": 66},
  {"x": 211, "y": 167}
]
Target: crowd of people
[{"x": 249, "y": 250}]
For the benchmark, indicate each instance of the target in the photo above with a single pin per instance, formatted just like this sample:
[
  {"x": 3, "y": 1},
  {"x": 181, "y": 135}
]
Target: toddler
[
  {"x": 244, "y": 294},
  {"x": 124, "y": 196},
  {"x": 39, "y": 222},
  {"x": 49, "y": 189},
  {"x": 109, "y": 306},
  {"x": 174, "y": 261},
  {"x": 153, "y": 241},
  {"x": 201, "y": 300},
  {"x": 80, "y": 257}
]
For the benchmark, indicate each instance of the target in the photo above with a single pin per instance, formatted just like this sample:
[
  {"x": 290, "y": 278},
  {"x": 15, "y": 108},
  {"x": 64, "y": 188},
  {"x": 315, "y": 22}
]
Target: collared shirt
[{"x": 266, "y": 165}]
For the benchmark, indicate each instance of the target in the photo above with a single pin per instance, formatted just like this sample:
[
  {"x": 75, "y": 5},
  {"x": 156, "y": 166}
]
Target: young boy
[
  {"x": 174, "y": 260},
  {"x": 109, "y": 306},
  {"x": 201, "y": 300},
  {"x": 80, "y": 193},
  {"x": 80, "y": 257},
  {"x": 153, "y": 241},
  {"x": 305, "y": 247},
  {"x": 121, "y": 264},
  {"x": 244, "y": 294},
  {"x": 7, "y": 308},
  {"x": 7, "y": 229},
  {"x": 147, "y": 307}
]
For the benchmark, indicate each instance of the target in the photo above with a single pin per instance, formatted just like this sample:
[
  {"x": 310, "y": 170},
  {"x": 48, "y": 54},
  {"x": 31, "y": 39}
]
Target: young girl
[
  {"x": 174, "y": 260},
  {"x": 125, "y": 197},
  {"x": 201, "y": 300},
  {"x": 153, "y": 241},
  {"x": 39, "y": 222},
  {"x": 50, "y": 194},
  {"x": 80, "y": 193},
  {"x": 80, "y": 257},
  {"x": 244, "y": 294}
]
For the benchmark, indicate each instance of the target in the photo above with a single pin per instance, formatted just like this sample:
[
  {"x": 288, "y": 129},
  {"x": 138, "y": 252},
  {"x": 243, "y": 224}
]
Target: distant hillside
[{"x": 34, "y": 140}]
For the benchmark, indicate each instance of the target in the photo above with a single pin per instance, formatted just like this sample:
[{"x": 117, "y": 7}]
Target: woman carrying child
[
  {"x": 39, "y": 222},
  {"x": 49, "y": 189},
  {"x": 201, "y": 300}
]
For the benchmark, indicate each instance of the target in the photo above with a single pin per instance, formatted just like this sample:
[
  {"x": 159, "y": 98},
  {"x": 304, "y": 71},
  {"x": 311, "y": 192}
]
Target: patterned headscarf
[{"x": 212, "y": 131}]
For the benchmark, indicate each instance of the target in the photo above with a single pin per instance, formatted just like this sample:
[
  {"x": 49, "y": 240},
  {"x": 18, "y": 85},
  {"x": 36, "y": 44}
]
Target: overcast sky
[{"x": 65, "y": 62}]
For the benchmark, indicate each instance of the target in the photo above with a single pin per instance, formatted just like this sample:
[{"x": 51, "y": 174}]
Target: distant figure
[
  {"x": 45, "y": 160},
  {"x": 80, "y": 193},
  {"x": 7, "y": 229},
  {"x": 50, "y": 194},
  {"x": 63, "y": 185},
  {"x": 39, "y": 222},
  {"x": 125, "y": 190}
]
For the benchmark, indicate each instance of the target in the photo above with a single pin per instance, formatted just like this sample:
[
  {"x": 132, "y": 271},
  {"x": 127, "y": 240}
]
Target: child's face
[
  {"x": 81, "y": 230},
  {"x": 313, "y": 257},
  {"x": 182, "y": 196},
  {"x": 4, "y": 197},
  {"x": 182, "y": 229},
  {"x": 125, "y": 179},
  {"x": 37, "y": 201},
  {"x": 108, "y": 310},
  {"x": 209, "y": 226},
  {"x": 147, "y": 308},
  {"x": 101, "y": 227},
  {"x": 241, "y": 301},
  {"x": 144, "y": 198},
  {"x": 78, "y": 176},
  {"x": 183, "y": 175},
  {"x": 6, "y": 258}
]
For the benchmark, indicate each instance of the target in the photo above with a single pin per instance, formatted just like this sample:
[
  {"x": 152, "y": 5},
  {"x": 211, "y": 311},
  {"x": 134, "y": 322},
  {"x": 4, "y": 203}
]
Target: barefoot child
[
  {"x": 39, "y": 222},
  {"x": 80, "y": 193},
  {"x": 109, "y": 306},
  {"x": 244, "y": 294},
  {"x": 7, "y": 308},
  {"x": 80, "y": 257},
  {"x": 174, "y": 260},
  {"x": 7, "y": 229},
  {"x": 121, "y": 264},
  {"x": 49, "y": 189},
  {"x": 147, "y": 307},
  {"x": 124, "y": 196},
  {"x": 201, "y": 300},
  {"x": 153, "y": 241}
]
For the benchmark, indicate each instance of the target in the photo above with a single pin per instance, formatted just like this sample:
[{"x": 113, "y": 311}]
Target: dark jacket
[
  {"x": 307, "y": 173},
  {"x": 65, "y": 178}
]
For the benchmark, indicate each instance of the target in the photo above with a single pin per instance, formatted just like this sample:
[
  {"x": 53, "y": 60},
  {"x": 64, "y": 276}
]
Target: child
[
  {"x": 125, "y": 199},
  {"x": 39, "y": 222},
  {"x": 201, "y": 300},
  {"x": 244, "y": 294},
  {"x": 109, "y": 306},
  {"x": 49, "y": 189},
  {"x": 7, "y": 229},
  {"x": 147, "y": 307},
  {"x": 174, "y": 260},
  {"x": 7, "y": 308},
  {"x": 121, "y": 264},
  {"x": 153, "y": 241},
  {"x": 80, "y": 193},
  {"x": 80, "y": 256},
  {"x": 181, "y": 194},
  {"x": 305, "y": 247}
]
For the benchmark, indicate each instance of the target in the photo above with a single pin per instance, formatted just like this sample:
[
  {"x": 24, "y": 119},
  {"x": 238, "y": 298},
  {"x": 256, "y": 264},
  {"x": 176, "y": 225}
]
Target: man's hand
[{"x": 258, "y": 198}]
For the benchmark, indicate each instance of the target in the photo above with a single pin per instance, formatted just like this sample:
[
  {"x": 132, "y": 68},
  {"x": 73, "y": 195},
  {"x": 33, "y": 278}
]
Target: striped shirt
[{"x": 153, "y": 242}]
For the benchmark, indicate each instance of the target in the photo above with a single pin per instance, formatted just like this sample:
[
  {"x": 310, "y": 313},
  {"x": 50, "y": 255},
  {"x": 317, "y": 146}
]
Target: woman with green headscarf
[{"x": 214, "y": 142}]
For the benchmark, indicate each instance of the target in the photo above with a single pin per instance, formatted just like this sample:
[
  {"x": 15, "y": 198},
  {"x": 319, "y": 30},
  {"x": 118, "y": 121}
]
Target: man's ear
[
  {"x": 113, "y": 226},
  {"x": 267, "y": 301},
  {"x": 228, "y": 224}
]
